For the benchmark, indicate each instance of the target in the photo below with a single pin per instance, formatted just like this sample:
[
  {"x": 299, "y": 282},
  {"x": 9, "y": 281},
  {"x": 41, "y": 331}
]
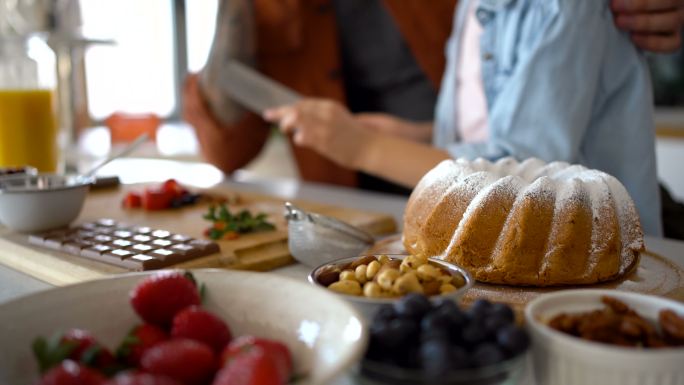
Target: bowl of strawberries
[{"x": 176, "y": 327}]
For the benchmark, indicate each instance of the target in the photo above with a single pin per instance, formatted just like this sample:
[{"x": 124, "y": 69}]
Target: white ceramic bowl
[
  {"x": 369, "y": 306},
  {"x": 325, "y": 334},
  {"x": 33, "y": 203},
  {"x": 563, "y": 359}
]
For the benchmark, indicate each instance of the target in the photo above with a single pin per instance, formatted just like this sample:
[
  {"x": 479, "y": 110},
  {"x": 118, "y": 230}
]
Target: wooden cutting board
[{"x": 257, "y": 251}]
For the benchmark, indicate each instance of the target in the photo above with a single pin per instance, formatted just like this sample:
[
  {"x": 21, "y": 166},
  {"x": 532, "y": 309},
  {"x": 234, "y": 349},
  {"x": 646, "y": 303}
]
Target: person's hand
[
  {"x": 324, "y": 126},
  {"x": 390, "y": 125},
  {"x": 655, "y": 25}
]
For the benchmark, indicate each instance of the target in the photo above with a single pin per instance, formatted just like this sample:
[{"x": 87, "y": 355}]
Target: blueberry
[
  {"x": 479, "y": 309},
  {"x": 435, "y": 356},
  {"x": 408, "y": 357},
  {"x": 413, "y": 305},
  {"x": 188, "y": 199},
  {"x": 435, "y": 321},
  {"x": 402, "y": 331},
  {"x": 381, "y": 334},
  {"x": 513, "y": 339},
  {"x": 459, "y": 358},
  {"x": 474, "y": 334},
  {"x": 435, "y": 334},
  {"x": 487, "y": 354},
  {"x": 494, "y": 323},
  {"x": 393, "y": 333},
  {"x": 457, "y": 318},
  {"x": 503, "y": 311},
  {"x": 385, "y": 313}
]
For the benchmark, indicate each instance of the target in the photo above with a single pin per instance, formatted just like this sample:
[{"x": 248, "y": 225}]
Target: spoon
[{"x": 125, "y": 151}]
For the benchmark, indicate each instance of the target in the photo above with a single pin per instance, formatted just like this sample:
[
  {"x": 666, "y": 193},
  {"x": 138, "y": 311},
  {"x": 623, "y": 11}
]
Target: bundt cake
[{"x": 528, "y": 223}]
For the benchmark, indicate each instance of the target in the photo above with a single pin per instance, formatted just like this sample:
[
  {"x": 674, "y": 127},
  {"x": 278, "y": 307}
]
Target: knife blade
[{"x": 253, "y": 90}]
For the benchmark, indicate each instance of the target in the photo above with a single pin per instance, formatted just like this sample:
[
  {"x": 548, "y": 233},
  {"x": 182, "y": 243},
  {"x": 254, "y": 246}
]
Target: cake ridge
[{"x": 509, "y": 185}]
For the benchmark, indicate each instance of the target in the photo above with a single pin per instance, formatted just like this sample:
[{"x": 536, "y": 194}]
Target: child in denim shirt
[{"x": 561, "y": 82}]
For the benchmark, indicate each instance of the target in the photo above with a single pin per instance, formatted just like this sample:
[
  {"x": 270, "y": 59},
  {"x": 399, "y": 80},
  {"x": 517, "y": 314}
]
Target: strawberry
[
  {"x": 76, "y": 344},
  {"x": 156, "y": 199},
  {"x": 173, "y": 187},
  {"x": 200, "y": 325},
  {"x": 278, "y": 351},
  {"x": 137, "y": 341},
  {"x": 142, "y": 379},
  {"x": 253, "y": 367},
  {"x": 132, "y": 200},
  {"x": 69, "y": 372},
  {"x": 159, "y": 297},
  {"x": 184, "y": 360}
]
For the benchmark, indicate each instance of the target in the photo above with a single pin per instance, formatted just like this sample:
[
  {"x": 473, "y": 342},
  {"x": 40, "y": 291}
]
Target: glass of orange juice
[
  {"x": 28, "y": 126},
  {"x": 28, "y": 130}
]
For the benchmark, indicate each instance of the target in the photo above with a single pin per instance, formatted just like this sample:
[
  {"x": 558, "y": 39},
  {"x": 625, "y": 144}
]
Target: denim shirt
[{"x": 561, "y": 83}]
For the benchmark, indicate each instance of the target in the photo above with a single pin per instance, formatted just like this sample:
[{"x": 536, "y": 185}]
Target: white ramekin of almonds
[
  {"x": 372, "y": 280},
  {"x": 608, "y": 337}
]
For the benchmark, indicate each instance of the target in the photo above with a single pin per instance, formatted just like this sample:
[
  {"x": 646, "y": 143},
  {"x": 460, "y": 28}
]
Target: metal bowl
[
  {"x": 33, "y": 203},
  {"x": 368, "y": 306}
]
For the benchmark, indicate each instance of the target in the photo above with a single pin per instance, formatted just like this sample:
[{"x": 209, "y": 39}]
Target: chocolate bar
[{"x": 131, "y": 247}]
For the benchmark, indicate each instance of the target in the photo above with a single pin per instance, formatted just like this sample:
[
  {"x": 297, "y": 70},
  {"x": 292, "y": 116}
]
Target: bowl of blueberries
[{"x": 418, "y": 341}]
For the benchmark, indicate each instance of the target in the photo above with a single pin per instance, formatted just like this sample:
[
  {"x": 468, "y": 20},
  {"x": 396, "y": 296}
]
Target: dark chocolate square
[
  {"x": 141, "y": 248},
  {"x": 123, "y": 234},
  {"x": 142, "y": 230},
  {"x": 185, "y": 250},
  {"x": 141, "y": 262},
  {"x": 121, "y": 243},
  {"x": 142, "y": 238},
  {"x": 207, "y": 247},
  {"x": 180, "y": 238},
  {"x": 165, "y": 255},
  {"x": 102, "y": 238},
  {"x": 119, "y": 254},
  {"x": 161, "y": 234},
  {"x": 95, "y": 251},
  {"x": 161, "y": 243}
]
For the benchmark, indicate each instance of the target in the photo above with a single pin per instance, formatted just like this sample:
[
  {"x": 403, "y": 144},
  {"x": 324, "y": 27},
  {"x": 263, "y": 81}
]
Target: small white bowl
[
  {"x": 33, "y": 203},
  {"x": 324, "y": 333},
  {"x": 369, "y": 306},
  {"x": 563, "y": 359}
]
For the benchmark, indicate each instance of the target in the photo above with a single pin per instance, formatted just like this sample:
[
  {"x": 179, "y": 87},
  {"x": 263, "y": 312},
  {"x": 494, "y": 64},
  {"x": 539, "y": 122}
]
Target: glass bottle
[{"x": 28, "y": 127}]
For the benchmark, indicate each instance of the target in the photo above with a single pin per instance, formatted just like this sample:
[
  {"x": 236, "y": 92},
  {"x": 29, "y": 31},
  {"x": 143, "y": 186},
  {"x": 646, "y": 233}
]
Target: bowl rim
[
  {"x": 535, "y": 325},
  {"x": 336, "y": 370},
  {"x": 469, "y": 281},
  {"x": 78, "y": 181}
]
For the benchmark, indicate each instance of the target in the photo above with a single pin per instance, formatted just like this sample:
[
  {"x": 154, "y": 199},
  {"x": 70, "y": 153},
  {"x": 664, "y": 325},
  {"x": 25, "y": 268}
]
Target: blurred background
[{"x": 128, "y": 67}]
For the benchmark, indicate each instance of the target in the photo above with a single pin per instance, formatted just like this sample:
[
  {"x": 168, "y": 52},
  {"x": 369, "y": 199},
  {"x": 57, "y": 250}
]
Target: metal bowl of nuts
[{"x": 370, "y": 281}]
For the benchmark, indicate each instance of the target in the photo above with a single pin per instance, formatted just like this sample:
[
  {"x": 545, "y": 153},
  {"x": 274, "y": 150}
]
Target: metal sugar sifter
[{"x": 315, "y": 239}]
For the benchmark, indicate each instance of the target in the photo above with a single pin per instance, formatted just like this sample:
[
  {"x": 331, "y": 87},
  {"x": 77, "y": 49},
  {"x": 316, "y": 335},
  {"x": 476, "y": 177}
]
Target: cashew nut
[
  {"x": 346, "y": 287},
  {"x": 407, "y": 283},
  {"x": 372, "y": 270},
  {"x": 348, "y": 275},
  {"x": 387, "y": 277}
]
